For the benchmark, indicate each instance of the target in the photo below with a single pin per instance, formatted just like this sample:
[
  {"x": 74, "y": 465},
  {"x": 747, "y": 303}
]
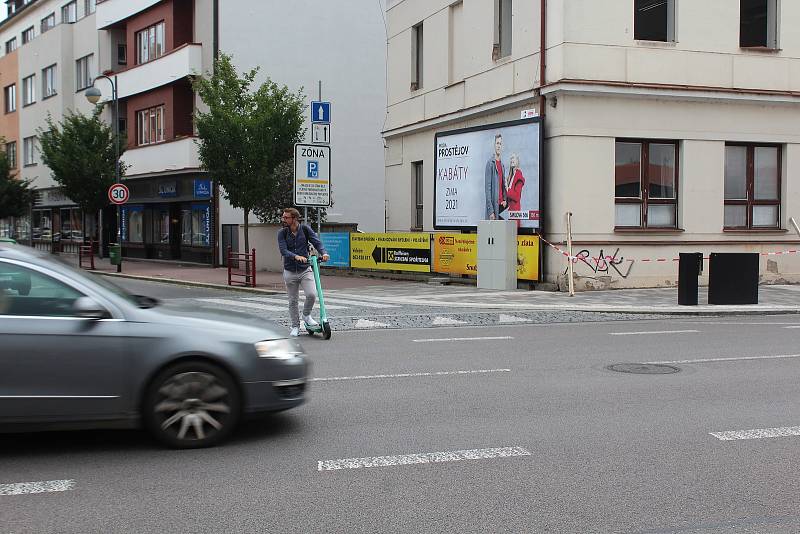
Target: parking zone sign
[{"x": 312, "y": 175}]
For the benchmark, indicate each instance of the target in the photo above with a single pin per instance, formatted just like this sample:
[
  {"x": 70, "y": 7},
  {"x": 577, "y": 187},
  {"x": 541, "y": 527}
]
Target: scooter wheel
[{"x": 326, "y": 331}]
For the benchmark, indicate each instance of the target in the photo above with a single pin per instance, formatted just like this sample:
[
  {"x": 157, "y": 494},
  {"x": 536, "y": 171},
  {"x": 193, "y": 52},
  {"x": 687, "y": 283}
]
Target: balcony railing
[
  {"x": 110, "y": 12},
  {"x": 184, "y": 61},
  {"x": 174, "y": 155}
]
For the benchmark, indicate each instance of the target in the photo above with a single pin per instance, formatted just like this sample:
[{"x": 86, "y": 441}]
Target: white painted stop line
[
  {"x": 23, "y": 488},
  {"x": 758, "y": 433},
  {"x": 424, "y": 458},
  {"x": 486, "y": 338},
  {"x": 408, "y": 375},
  {"x": 656, "y": 332}
]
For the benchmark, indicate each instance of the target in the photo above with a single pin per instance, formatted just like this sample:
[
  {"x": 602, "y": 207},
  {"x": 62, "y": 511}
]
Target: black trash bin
[
  {"x": 690, "y": 265},
  {"x": 733, "y": 278}
]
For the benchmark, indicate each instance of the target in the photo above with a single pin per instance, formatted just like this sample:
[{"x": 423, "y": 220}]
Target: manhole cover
[{"x": 643, "y": 368}]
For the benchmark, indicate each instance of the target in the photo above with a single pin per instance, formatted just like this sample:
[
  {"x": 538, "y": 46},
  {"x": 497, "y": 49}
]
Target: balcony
[
  {"x": 181, "y": 62},
  {"x": 111, "y": 12},
  {"x": 170, "y": 156}
]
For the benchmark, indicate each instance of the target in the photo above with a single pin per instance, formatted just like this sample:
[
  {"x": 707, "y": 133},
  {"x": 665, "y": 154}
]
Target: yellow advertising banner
[
  {"x": 391, "y": 251},
  {"x": 458, "y": 254}
]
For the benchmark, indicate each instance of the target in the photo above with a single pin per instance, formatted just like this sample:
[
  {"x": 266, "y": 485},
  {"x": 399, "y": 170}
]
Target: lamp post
[{"x": 93, "y": 95}]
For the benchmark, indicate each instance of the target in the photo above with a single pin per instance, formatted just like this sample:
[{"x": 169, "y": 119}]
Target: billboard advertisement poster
[
  {"x": 489, "y": 172},
  {"x": 337, "y": 245},
  {"x": 391, "y": 251},
  {"x": 458, "y": 254}
]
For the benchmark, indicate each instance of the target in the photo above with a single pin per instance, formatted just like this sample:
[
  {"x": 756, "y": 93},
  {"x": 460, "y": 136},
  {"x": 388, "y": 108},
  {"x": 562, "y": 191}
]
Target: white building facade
[{"x": 669, "y": 126}]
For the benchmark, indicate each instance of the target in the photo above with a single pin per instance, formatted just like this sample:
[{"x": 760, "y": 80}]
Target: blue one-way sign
[{"x": 321, "y": 112}]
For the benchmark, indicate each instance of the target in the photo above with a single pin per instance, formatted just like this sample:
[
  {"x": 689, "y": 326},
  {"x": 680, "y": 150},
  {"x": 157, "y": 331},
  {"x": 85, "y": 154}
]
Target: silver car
[{"x": 77, "y": 351}]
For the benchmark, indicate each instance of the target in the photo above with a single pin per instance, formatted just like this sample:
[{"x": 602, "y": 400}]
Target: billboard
[
  {"x": 488, "y": 172},
  {"x": 337, "y": 245},
  {"x": 391, "y": 251},
  {"x": 458, "y": 254}
]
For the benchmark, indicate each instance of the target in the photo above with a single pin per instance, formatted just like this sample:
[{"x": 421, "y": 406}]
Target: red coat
[{"x": 514, "y": 193}]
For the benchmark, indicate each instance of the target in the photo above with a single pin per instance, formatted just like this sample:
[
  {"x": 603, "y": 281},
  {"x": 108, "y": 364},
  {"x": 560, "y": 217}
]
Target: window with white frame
[
  {"x": 417, "y": 49},
  {"x": 758, "y": 24},
  {"x": 49, "y": 22},
  {"x": 49, "y": 81},
  {"x": 90, "y": 6},
  {"x": 10, "y": 94},
  {"x": 29, "y": 90},
  {"x": 27, "y": 35},
  {"x": 654, "y": 20},
  {"x": 11, "y": 45},
  {"x": 11, "y": 154},
  {"x": 752, "y": 186},
  {"x": 150, "y": 43},
  {"x": 84, "y": 72},
  {"x": 69, "y": 12},
  {"x": 29, "y": 151},
  {"x": 646, "y": 184},
  {"x": 150, "y": 126},
  {"x": 502, "y": 29}
]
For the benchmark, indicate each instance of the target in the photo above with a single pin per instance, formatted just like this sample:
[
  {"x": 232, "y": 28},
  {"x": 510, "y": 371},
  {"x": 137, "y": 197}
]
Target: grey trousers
[{"x": 293, "y": 282}]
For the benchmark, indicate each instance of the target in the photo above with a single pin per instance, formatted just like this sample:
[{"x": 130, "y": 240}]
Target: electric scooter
[{"x": 323, "y": 327}]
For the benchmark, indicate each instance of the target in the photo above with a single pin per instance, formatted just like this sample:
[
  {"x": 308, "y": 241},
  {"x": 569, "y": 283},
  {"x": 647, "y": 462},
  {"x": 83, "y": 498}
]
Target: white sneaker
[
  {"x": 294, "y": 332},
  {"x": 310, "y": 321}
]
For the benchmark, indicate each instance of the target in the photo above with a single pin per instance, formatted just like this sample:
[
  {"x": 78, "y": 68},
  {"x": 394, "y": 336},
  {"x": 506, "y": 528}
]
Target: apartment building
[
  {"x": 669, "y": 126},
  {"x": 49, "y": 48}
]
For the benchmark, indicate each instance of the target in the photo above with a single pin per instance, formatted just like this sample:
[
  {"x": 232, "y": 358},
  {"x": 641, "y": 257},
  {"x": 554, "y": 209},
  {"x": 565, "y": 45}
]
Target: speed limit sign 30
[{"x": 118, "y": 194}]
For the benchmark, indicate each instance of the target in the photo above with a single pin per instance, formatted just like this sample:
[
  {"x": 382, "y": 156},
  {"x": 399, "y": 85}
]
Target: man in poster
[{"x": 494, "y": 182}]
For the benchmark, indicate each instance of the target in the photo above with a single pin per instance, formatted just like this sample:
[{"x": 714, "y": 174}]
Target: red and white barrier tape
[{"x": 598, "y": 259}]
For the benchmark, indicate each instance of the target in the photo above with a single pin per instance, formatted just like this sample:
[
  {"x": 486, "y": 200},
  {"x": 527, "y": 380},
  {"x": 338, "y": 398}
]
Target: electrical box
[{"x": 497, "y": 254}]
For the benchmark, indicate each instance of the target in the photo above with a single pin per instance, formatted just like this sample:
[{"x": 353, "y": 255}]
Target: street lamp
[{"x": 93, "y": 95}]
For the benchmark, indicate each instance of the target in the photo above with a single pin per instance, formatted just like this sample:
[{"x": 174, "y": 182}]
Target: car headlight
[{"x": 278, "y": 349}]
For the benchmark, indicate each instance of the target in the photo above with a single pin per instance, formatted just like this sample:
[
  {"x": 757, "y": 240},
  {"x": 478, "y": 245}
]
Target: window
[
  {"x": 416, "y": 57},
  {"x": 646, "y": 184},
  {"x": 10, "y": 94},
  {"x": 654, "y": 20},
  {"x": 90, "y": 6},
  {"x": 27, "y": 35},
  {"x": 457, "y": 37},
  {"x": 49, "y": 22},
  {"x": 132, "y": 229},
  {"x": 11, "y": 154},
  {"x": 29, "y": 293},
  {"x": 196, "y": 225},
  {"x": 84, "y": 71},
  {"x": 122, "y": 54},
  {"x": 29, "y": 90},
  {"x": 49, "y": 81},
  {"x": 29, "y": 151},
  {"x": 752, "y": 186},
  {"x": 502, "y": 29},
  {"x": 11, "y": 45},
  {"x": 150, "y": 126},
  {"x": 150, "y": 43},
  {"x": 69, "y": 13},
  {"x": 418, "y": 189},
  {"x": 758, "y": 24}
]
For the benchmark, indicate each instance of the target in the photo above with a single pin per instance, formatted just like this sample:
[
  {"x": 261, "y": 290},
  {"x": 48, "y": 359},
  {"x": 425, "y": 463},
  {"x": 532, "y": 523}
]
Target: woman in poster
[{"x": 514, "y": 184}]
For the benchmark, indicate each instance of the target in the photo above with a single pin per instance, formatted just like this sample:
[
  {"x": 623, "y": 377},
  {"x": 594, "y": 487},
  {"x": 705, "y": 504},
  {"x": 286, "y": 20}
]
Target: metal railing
[{"x": 241, "y": 268}]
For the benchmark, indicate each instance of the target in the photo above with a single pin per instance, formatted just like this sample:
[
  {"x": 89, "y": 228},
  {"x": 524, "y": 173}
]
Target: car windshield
[{"x": 137, "y": 300}]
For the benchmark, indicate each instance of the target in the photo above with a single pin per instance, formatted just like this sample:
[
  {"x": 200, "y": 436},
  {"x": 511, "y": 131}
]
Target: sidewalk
[{"x": 773, "y": 299}]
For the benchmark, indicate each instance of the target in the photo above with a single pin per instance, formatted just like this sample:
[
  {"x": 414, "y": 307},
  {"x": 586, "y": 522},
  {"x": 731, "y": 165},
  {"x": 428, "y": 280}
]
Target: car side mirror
[{"x": 88, "y": 308}]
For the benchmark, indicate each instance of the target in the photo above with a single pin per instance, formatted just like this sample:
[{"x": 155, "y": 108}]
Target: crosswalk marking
[
  {"x": 364, "y": 323},
  {"x": 758, "y": 433},
  {"x": 446, "y": 321},
  {"x": 22, "y": 488},
  {"x": 285, "y": 302},
  {"x": 361, "y": 303},
  {"x": 245, "y": 304}
]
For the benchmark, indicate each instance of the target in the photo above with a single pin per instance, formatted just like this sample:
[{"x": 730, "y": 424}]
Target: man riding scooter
[{"x": 293, "y": 241}]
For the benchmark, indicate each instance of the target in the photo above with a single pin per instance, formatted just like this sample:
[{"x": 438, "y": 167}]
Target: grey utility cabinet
[{"x": 497, "y": 254}]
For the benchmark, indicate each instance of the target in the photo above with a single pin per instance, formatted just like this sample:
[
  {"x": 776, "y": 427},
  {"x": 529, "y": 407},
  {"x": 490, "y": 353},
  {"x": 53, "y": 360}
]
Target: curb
[{"x": 192, "y": 283}]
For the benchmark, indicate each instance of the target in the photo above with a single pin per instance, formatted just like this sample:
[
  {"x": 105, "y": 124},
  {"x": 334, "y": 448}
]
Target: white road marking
[
  {"x": 22, "y": 488},
  {"x": 424, "y": 458},
  {"x": 285, "y": 303},
  {"x": 59, "y": 396},
  {"x": 758, "y": 433},
  {"x": 446, "y": 321},
  {"x": 365, "y": 323},
  {"x": 793, "y": 326},
  {"x": 654, "y": 332},
  {"x": 428, "y": 340},
  {"x": 510, "y": 319},
  {"x": 361, "y": 303},
  {"x": 244, "y": 304},
  {"x": 734, "y": 359},
  {"x": 408, "y": 375}
]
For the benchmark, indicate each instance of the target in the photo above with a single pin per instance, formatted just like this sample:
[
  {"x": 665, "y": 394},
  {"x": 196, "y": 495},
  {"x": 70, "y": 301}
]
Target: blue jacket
[{"x": 292, "y": 245}]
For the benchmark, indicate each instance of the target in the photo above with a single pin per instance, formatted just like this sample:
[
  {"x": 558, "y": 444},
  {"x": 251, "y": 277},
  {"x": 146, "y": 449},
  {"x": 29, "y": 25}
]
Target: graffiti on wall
[{"x": 603, "y": 264}]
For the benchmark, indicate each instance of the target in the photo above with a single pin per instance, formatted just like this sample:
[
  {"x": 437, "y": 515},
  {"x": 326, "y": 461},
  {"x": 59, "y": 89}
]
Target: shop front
[
  {"x": 169, "y": 219},
  {"x": 58, "y": 225}
]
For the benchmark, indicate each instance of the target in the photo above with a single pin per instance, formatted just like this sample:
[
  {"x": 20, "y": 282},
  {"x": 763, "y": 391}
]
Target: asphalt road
[{"x": 557, "y": 442}]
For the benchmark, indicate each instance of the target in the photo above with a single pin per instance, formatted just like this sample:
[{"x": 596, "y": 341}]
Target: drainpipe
[
  {"x": 215, "y": 193},
  {"x": 542, "y": 57}
]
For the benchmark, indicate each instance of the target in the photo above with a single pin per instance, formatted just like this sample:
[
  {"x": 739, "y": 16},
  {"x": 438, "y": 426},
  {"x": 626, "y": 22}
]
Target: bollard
[{"x": 690, "y": 265}]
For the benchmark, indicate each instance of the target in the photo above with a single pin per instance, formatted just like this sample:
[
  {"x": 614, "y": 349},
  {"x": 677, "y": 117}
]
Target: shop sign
[
  {"x": 205, "y": 221},
  {"x": 202, "y": 188},
  {"x": 168, "y": 189},
  {"x": 391, "y": 251}
]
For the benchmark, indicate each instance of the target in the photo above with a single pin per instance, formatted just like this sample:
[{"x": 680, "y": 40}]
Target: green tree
[
  {"x": 80, "y": 152},
  {"x": 246, "y": 134},
  {"x": 270, "y": 208},
  {"x": 16, "y": 196}
]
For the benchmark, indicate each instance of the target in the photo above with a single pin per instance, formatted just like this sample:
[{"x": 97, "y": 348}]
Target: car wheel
[{"x": 192, "y": 405}]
